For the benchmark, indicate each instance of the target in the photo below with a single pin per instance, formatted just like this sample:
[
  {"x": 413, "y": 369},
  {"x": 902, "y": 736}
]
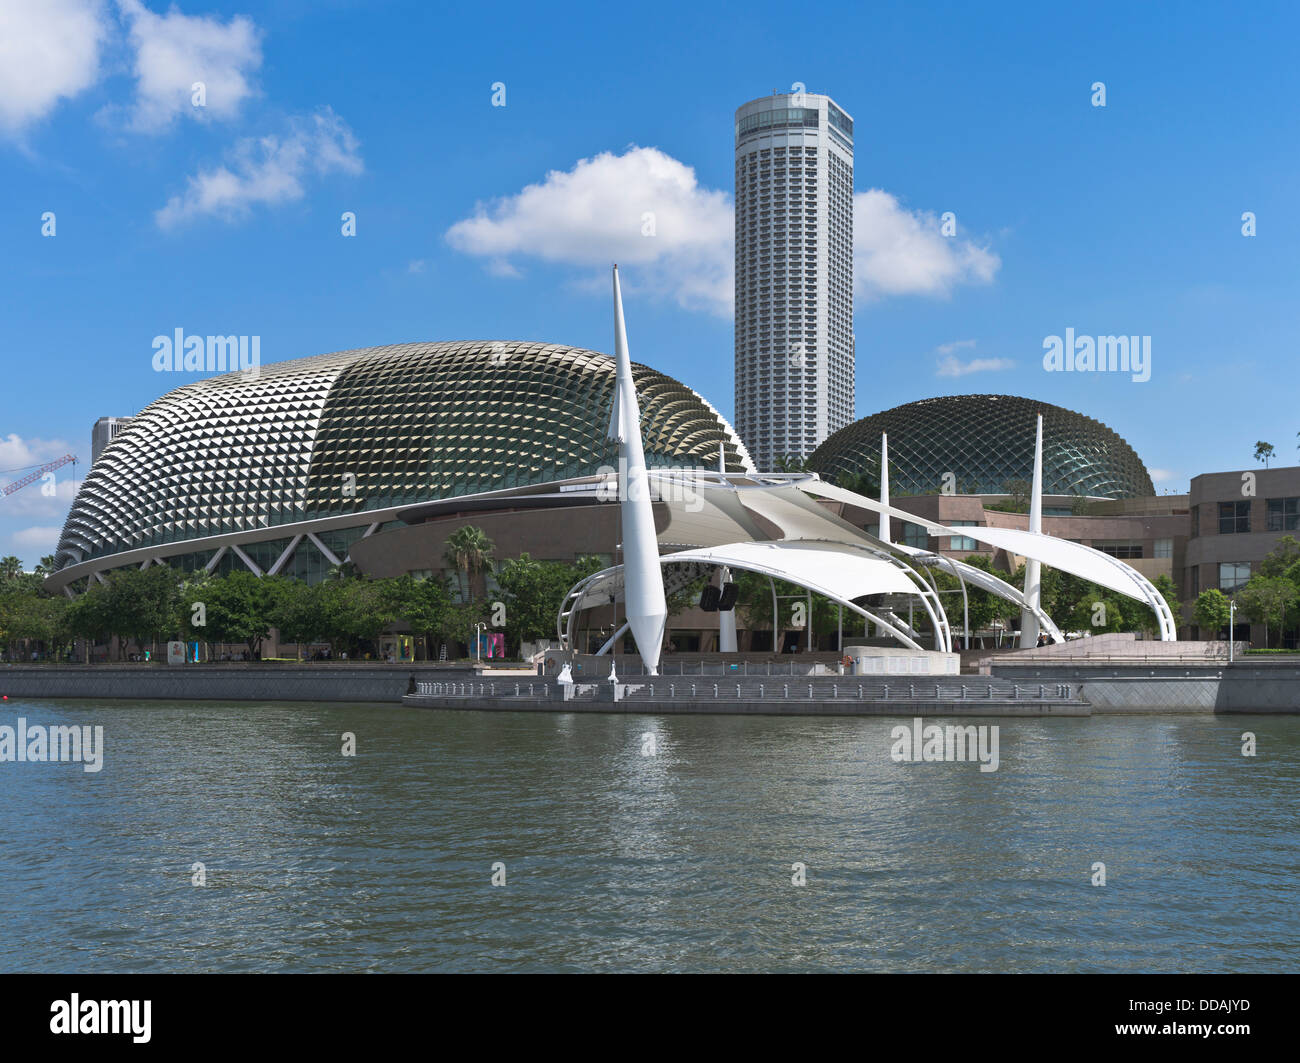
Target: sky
[{"x": 496, "y": 159}]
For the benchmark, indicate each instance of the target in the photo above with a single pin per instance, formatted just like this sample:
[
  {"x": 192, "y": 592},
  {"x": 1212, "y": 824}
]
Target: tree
[
  {"x": 532, "y": 592},
  {"x": 1266, "y": 600},
  {"x": 1282, "y": 557},
  {"x": 143, "y": 604},
  {"x": 469, "y": 552},
  {"x": 354, "y": 612},
  {"x": 299, "y": 614},
  {"x": 10, "y": 567},
  {"x": 1263, "y": 451},
  {"x": 423, "y": 604},
  {"x": 46, "y": 566},
  {"x": 790, "y": 463},
  {"x": 90, "y": 615},
  {"x": 242, "y": 607},
  {"x": 1211, "y": 611}
]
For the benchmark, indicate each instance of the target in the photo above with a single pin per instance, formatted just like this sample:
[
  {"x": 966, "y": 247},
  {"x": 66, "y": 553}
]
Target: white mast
[
  {"x": 884, "y": 486},
  {"x": 1033, "y": 570},
  {"x": 647, "y": 611}
]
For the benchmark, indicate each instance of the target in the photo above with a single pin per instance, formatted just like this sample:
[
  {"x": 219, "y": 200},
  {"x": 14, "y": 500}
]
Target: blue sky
[{"x": 226, "y": 219}]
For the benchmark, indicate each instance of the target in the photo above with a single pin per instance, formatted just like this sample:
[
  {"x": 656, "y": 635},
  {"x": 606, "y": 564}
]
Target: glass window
[
  {"x": 1234, "y": 517},
  {"x": 915, "y": 535},
  {"x": 1122, "y": 548},
  {"x": 1163, "y": 548},
  {"x": 1233, "y": 575},
  {"x": 962, "y": 542},
  {"x": 1283, "y": 514},
  {"x": 1196, "y": 521}
]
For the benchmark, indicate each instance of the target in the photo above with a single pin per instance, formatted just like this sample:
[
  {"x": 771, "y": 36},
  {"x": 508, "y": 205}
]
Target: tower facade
[{"x": 794, "y": 274}]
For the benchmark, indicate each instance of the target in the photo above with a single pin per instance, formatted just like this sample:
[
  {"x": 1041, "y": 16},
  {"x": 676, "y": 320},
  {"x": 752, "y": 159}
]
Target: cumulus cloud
[
  {"x": 643, "y": 208},
  {"x": 954, "y": 366},
  {"x": 173, "y": 51},
  {"x": 647, "y": 209},
  {"x": 901, "y": 252},
  {"x": 49, "y": 51},
  {"x": 38, "y": 539},
  {"x": 22, "y": 455},
  {"x": 267, "y": 171}
]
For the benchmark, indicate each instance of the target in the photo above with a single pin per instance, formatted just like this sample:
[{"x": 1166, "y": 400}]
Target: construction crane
[{"x": 35, "y": 475}]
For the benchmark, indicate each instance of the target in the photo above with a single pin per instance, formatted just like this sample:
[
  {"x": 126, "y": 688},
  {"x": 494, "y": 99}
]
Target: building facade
[
  {"x": 1237, "y": 519},
  {"x": 286, "y": 470},
  {"x": 105, "y": 431},
  {"x": 794, "y": 345}
]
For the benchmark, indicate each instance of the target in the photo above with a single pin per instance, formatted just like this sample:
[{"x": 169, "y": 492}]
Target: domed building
[
  {"x": 285, "y": 468},
  {"x": 978, "y": 444}
]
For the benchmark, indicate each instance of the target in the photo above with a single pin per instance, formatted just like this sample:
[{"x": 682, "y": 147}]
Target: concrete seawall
[
  {"x": 254, "y": 681},
  {"x": 1267, "y": 686},
  {"x": 1264, "y": 686}
]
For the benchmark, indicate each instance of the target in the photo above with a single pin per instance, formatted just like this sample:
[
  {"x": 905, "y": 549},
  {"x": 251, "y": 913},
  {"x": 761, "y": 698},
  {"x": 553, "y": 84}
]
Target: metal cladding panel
[
  {"x": 985, "y": 441},
  {"x": 371, "y": 428}
]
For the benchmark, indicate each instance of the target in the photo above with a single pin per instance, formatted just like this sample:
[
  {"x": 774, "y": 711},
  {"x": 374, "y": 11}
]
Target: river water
[{"x": 615, "y": 860}]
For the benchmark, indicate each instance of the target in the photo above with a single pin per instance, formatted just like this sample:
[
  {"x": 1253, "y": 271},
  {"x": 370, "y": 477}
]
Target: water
[{"x": 615, "y": 861}]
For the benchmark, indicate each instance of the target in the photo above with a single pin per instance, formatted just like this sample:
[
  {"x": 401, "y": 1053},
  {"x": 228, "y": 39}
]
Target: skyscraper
[
  {"x": 794, "y": 274},
  {"x": 104, "y": 432}
]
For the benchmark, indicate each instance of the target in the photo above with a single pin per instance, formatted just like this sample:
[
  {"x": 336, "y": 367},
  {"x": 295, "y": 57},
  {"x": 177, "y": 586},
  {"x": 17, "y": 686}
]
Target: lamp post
[
  {"x": 1232, "y": 615},
  {"x": 478, "y": 642}
]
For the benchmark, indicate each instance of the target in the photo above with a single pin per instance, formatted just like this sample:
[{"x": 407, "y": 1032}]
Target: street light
[
  {"x": 478, "y": 642},
  {"x": 1232, "y": 614}
]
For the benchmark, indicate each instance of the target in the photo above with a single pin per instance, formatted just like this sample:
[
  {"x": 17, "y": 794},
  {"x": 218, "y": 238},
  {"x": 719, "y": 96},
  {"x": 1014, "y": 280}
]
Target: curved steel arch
[{"x": 576, "y": 600}]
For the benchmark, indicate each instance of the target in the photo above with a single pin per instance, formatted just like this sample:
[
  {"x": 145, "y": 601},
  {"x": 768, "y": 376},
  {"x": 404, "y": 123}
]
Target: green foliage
[
  {"x": 532, "y": 592},
  {"x": 1267, "y": 600},
  {"x": 469, "y": 552},
  {"x": 241, "y": 607},
  {"x": 1211, "y": 612}
]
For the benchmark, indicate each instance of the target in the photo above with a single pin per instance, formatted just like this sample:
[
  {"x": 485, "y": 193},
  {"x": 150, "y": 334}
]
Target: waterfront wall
[
  {"x": 1245, "y": 686},
  {"x": 256, "y": 681}
]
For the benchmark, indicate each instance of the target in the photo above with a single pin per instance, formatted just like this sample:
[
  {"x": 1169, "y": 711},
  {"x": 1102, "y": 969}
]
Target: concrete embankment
[
  {"x": 804, "y": 696},
  {"x": 1270, "y": 686},
  {"x": 233, "y": 681}
]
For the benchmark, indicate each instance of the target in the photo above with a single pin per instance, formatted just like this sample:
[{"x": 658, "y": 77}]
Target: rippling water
[{"x": 617, "y": 861}]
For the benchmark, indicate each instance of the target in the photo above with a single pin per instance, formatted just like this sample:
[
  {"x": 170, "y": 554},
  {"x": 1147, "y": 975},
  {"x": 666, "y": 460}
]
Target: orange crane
[{"x": 32, "y": 477}]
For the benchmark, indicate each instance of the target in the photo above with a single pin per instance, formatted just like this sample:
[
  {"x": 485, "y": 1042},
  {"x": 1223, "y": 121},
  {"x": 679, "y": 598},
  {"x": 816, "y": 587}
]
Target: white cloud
[
  {"x": 642, "y": 208},
  {"x": 901, "y": 252},
  {"x": 49, "y": 50},
  {"x": 416, "y": 265},
  {"x": 1161, "y": 475},
  {"x": 599, "y": 211},
  {"x": 39, "y": 539},
  {"x": 173, "y": 51},
  {"x": 956, "y": 345},
  {"x": 267, "y": 170},
  {"x": 953, "y": 366},
  {"x": 31, "y": 503}
]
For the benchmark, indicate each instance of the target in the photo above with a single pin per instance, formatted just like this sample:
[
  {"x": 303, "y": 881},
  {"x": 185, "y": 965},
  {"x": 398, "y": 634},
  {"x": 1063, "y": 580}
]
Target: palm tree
[
  {"x": 790, "y": 463},
  {"x": 46, "y": 565},
  {"x": 469, "y": 552},
  {"x": 10, "y": 567}
]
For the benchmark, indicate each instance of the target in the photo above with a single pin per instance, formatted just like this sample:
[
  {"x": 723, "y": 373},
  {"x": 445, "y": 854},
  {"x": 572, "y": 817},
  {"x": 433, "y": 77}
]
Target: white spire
[
  {"x": 884, "y": 486},
  {"x": 647, "y": 610},
  {"x": 1033, "y": 569}
]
